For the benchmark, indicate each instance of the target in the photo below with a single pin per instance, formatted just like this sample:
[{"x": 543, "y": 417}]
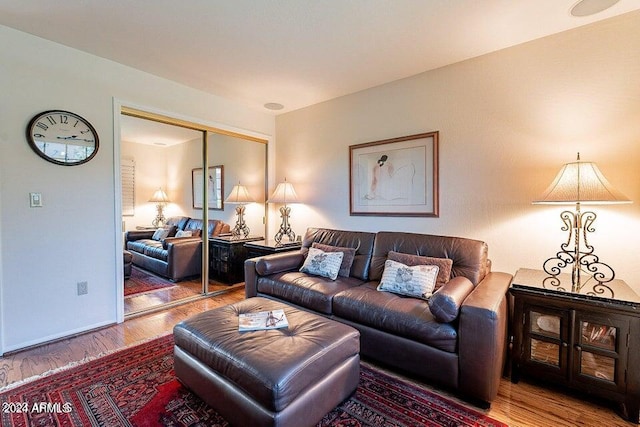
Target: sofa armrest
[
  {"x": 482, "y": 333},
  {"x": 138, "y": 234},
  {"x": 254, "y": 268},
  {"x": 184, "y": 258}
]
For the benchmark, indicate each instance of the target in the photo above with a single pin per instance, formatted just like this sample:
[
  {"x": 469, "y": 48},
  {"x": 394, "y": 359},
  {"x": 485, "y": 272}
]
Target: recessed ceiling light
[
  {"x": 591, "y": 7},
  {"x": 273, "y": 106}
]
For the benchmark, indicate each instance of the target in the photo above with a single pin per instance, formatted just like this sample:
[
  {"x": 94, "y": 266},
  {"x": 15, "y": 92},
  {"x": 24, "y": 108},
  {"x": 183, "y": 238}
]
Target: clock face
[{"x": 62, "y": 137}]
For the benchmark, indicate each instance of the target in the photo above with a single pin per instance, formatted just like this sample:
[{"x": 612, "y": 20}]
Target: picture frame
[
  {"x": 215, "y": 188},
  {"x": 395, "y": 177}
]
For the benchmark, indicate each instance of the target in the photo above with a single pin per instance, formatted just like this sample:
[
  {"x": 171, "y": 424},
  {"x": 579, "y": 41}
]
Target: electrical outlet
[{"x": 83, "y": 288}]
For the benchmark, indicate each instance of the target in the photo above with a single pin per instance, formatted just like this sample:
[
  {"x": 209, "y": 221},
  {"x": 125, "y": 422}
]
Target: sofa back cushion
[
  {"x": 361, "y": 241},
  {"x": 178, "y": 221},
  {"x": 469, "y": 256}
]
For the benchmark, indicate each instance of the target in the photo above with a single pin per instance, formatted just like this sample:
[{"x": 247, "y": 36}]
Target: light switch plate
[{"x": 35, "y": 200}]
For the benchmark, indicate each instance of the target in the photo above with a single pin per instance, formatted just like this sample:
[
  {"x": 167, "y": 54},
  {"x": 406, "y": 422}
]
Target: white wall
[
  {"x": 46, "y": 251},
  {"x": 508, "y": 121}
]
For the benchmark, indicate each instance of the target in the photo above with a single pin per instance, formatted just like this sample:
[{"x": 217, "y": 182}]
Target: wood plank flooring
[{"x": 522, "y": 404}]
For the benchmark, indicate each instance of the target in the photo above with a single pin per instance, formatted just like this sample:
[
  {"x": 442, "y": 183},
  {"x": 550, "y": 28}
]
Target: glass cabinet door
[
  {"x": 600, "y": 350},
  {"x": 545, "y": 339}
]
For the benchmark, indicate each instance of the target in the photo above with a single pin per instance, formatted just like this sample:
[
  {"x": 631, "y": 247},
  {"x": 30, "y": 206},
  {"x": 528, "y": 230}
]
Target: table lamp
[
  {"x": 239, "y": 195},
  {"x": 161, "y": 200},
  {"x": 284, "y": 193},
  {"x": 580, "y": 183}
]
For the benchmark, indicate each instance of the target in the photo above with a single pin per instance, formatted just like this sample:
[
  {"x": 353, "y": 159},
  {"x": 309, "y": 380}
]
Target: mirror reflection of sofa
[{"x": 175, "y": 251}]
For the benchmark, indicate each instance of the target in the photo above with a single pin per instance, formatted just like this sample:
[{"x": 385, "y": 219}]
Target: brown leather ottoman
[{"x": 280, "y": 377}]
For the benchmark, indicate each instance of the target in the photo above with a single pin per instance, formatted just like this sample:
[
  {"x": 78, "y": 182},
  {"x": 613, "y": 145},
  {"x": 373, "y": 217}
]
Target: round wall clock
[{"x": 62, "y": 137}]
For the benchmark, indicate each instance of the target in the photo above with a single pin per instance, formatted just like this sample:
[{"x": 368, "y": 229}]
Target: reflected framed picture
[
  {"x": 395, "y": 177},
  {"x": 215, "y": 186}
]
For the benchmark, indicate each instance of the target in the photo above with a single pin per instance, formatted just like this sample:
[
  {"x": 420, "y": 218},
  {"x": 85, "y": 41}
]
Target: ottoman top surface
[{"x": 272, "y": 366}]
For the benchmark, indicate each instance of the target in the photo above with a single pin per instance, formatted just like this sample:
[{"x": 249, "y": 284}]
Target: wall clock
[{"x": 62, "y": 137}]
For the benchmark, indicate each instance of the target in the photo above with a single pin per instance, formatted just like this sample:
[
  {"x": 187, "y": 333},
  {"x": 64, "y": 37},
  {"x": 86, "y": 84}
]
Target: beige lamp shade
[
  {"x": 239, "y": 195},
  {"x": 581, "y": 182},
  {"x": 160, "y": 197},
  {"x": 284, "y": 193}
]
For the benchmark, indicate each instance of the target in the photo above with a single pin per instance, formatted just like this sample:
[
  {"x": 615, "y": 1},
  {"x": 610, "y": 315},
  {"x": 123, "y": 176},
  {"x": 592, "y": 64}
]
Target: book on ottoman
[{"x": 262, "y": 320}]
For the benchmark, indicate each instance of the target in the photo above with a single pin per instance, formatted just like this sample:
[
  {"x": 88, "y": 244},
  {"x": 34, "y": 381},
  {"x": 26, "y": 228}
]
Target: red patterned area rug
[
  {"x": 142, "y": 281},
  {"x": 137, "y": 387}
]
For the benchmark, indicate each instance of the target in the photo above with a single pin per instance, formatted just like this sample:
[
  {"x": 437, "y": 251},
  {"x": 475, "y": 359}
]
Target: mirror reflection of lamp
[
  {"x": 239, "y": 195},
  {"x": 284, "y": 193},
  {"x": 580, "y": 183},
  {"x": 160, "y": 199}
]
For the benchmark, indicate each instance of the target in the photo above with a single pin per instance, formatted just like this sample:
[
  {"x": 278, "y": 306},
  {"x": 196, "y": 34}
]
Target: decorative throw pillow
[
  {"x": 184, "y": 233},
  {"x": 162, "y": 233},
  {"x": 347, "y": 258},
  {"x": 444, "y": 264},
  {"x": 416, "y": 281},
  {"x": 321, "y": 263}
]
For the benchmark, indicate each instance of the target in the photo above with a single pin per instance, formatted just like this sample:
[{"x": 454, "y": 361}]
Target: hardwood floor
[{"x": 522, "y": 404}]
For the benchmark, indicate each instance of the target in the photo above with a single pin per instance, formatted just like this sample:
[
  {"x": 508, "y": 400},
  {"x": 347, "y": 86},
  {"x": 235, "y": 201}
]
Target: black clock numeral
[
  {"x": 84, "y": 131},
  {"x": 76, "y": 123},
  {"x": 51, "y": 120},
  {"x": 42, "y": 126},
  {"x": 38, "y": 135},
  {"x": 64, "y": 119}
]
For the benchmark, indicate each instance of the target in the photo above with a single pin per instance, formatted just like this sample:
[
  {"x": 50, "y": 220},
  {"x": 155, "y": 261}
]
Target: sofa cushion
[
  {"x": 321, "y": 263},
  {"x": 164, "y": 232},
  {"x": 395, "y": 314},
  {"x": 156, "y": 251},
  {"x": 444, "y": 264},
  {"x": 470, "y": 257},
  {"x": 347, "y": 258},
  {"x": 139, "y": 245},
  {"x": 446, "y": 302},
  {"x": 417, "y": 281},
  {"x": 361, "y": 241},
  {"x": 311, "y": 292},
  {"x": 184, "y": 233}
]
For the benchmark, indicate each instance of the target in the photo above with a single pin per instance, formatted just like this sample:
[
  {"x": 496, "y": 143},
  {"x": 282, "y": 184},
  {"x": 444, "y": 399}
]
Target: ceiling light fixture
[
  {"x": 273, "y": 106},
  {"x": 591, "y": 7}
]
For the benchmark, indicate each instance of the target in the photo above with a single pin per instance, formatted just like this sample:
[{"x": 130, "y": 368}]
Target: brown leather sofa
[
  {"x": 457, "y": 340},
  {"x": 173, "y": 257}
]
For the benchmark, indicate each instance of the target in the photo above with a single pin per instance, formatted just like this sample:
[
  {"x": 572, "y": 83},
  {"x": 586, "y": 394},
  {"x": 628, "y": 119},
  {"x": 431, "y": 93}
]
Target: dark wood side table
[
  {"x": 587, "y": 340},
  {"x": 268, "y": 247},
  {"x": 226, "y": 258}
]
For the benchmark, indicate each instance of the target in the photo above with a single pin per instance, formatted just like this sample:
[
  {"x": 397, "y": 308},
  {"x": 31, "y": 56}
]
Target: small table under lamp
[
  {"x": 239, "y": 195},
  {"x": 284, "y": 193},
  {"x": 161, "y": 200},
  {"x": 580, "y": 183}
]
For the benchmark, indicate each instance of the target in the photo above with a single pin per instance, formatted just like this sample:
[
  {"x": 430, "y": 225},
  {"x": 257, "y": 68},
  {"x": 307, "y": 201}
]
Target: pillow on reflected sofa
[
  {"x": 414, "y": 281},
  {"x": 347, "y": 258},
  {"x": 444, "y": 264},
  {"x": 321, "y": 263},
  {"x": 164, "y": 232},
  {"x": 446, "y": 302},
  {"x": 184, "y": 233}
]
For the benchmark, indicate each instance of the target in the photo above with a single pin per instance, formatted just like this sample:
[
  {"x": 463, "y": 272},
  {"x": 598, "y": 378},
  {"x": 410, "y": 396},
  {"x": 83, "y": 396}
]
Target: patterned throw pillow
[
  {"x": 444, "y": 264},
  {"x": 162, "y": 233},
  {"x": 321, "y": 263},
  {"x": 347, "y": 258},
  {"x": 417, "y": 281}
]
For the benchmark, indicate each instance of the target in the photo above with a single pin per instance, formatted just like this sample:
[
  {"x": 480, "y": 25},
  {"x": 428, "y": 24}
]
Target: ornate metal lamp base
[
  {"x": 160, "y": 219},
  {"x": 285, "y": 228},
  {"x": 581, "y": 260},
  {"x": 241, "y": 227}
]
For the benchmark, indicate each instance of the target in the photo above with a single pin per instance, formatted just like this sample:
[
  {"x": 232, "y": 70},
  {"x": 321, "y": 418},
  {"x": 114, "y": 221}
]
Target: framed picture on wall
[
  {"x": 395, "y": 177},
  {"x": 215, "y": 177}
]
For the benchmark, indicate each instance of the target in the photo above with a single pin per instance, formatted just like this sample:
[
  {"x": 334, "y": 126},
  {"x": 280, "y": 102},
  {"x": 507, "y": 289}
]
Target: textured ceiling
[{"x": 293, "y": 52}]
